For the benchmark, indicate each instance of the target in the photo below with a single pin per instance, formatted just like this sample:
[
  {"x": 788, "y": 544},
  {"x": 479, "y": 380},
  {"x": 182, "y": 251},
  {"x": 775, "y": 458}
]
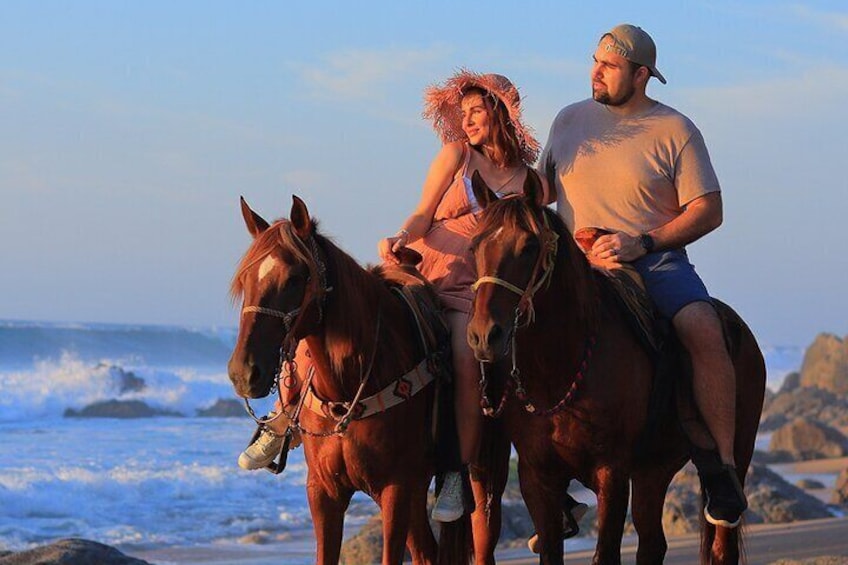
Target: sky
[{"x": 128, "y": 131}]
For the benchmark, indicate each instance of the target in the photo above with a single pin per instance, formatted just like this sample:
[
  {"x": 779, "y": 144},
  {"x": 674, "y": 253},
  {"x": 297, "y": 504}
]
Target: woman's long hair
[{"x": 506, "y": 149}]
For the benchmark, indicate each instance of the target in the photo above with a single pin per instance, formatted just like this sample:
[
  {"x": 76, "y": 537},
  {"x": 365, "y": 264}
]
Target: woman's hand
[{"x": 389, "y": 246}]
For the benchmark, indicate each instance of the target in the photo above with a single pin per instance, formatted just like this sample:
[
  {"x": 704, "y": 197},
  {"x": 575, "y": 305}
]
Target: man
[{"x": 632, "y": 165}]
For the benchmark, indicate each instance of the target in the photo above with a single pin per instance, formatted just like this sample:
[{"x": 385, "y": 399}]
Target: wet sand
[{"x": 765, "y": 544}]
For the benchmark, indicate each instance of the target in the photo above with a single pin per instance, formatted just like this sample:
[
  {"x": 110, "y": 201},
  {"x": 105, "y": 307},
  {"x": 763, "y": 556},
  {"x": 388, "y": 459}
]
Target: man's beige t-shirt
[{"x": 630, "y": 174}]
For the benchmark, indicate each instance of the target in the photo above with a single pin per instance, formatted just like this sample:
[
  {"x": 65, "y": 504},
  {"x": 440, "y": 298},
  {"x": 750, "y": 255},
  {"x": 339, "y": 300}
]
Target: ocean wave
[{"x": 51, "y": 387}]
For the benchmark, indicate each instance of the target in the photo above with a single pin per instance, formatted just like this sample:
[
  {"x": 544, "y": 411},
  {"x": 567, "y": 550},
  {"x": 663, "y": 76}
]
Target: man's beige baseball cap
[{"x": 634, "y": 44}]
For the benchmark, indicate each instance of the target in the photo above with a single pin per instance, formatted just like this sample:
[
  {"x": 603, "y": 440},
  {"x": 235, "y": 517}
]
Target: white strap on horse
[{"x": 395, "y": 393}]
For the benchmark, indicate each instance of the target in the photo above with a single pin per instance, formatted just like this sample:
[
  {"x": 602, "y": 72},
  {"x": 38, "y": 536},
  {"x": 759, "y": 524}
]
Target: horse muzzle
[
  {"x": 248, "y": 379},
  {"x": 489, "y": 341}
]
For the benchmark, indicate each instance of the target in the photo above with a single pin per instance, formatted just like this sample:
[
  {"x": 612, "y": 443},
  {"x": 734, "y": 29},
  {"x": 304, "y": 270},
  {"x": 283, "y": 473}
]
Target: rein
[
  {"x": 341, "y": 427},
  {"x": 541, "y": 276}
]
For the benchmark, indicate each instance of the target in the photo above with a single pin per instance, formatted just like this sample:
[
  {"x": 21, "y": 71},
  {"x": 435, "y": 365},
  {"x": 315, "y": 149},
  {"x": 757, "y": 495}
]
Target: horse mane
[
  {"x": 347, "y": 330},
  {"x": 351, "y": 329},
  {"x": 572, "y": 274}
]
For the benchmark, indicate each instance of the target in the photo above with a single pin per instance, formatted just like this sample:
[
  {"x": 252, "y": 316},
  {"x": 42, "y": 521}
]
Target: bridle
[
  {"x": 317, "y": 289},
  {"x": 539, "y": 278},
  {"x": 311, "y": 253}
]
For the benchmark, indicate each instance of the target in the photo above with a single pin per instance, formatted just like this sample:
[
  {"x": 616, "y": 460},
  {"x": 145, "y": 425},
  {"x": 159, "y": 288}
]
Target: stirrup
[
  {"x": 570, "y": 518},
  {"x": 278, "y": 464}
]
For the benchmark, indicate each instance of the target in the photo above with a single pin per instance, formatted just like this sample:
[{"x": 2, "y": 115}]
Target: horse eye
[
  {"x": 296, "y": 278},
  {"x": 531, "y": 247}
]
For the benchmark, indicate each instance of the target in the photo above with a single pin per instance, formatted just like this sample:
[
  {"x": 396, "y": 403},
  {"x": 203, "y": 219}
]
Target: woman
[{"x": 478, "y": 118}]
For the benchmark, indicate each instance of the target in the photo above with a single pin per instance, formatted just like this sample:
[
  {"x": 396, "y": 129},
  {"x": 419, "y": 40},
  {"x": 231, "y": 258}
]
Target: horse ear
[
  {"x": 533, "y": 190},
  {"x": 254, "y": 222},
  {"x": 482, "y": 192},
  {"x": 299, "y": 217}
]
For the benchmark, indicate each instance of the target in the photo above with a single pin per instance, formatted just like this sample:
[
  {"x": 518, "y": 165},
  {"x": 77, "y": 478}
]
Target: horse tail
[
  {"x": 708, "y": 532},
  {"x": 456, "y": 546},
  {"x": 730, "y": 546}
]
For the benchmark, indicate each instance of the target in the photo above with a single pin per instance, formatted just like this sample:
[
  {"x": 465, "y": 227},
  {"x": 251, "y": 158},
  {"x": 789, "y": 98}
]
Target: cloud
[
  {"x": 813, "y": 91},
  {"x": 837, "y": 21},
  {"x": 304, "y": 179},
  {"x": 364, "y": 73}
]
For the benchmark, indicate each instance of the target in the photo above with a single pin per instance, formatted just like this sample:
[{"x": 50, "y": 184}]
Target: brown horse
[
  {"x": 297, "y": 285},
  {"x": 577, "y": 401}
]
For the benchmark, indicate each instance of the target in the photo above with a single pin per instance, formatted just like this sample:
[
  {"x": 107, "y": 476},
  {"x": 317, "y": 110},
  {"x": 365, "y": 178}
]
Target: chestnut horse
[
  {"x": 577, "y": 401},
  {"x": 297, "y": 285}
]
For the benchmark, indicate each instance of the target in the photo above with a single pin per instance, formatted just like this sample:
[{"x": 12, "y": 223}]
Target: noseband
[
  {"x": 541, "y": 275},
  {"x": 312, "y": 254}
]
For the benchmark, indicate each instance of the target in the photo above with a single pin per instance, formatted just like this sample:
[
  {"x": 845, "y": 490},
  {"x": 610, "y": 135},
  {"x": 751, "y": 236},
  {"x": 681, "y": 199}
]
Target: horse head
[
  {"x": 281, "y": 281},
  {"x": 514, "y": 251}
]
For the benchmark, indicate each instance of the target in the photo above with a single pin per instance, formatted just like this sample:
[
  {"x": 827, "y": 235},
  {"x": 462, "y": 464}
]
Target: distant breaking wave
[{"x": 24, "y": 343}]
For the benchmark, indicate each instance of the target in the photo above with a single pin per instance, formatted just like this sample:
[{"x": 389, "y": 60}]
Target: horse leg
[
  {"x": 488, "y": 481},
  {"x": 650, "y": 484},
  {"x": 327, "y": 511},
  {"x": 420, "y": 540},
  {"x": 543, "y": 498},
  {"x": 395, "y": 503},
  {"x": 612, "y": 486}
]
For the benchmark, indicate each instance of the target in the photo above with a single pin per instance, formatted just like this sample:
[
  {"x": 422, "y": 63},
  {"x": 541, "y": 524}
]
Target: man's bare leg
[{"x": 699, "y": 329}]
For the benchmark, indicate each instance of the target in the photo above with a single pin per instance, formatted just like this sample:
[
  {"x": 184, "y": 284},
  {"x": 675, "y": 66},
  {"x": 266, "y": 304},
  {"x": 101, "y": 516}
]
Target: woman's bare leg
[{"x": 467, "y": 376}]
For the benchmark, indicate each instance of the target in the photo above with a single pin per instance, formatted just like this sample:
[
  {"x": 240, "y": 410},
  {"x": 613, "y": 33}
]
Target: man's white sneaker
[
  {"x": 449, "y": 505},
  {"x": 262, "y": 451}
]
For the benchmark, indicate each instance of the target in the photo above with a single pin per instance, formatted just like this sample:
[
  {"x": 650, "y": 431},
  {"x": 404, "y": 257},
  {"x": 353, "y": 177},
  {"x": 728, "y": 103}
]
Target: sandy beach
[{"x": 765, "y": 544}]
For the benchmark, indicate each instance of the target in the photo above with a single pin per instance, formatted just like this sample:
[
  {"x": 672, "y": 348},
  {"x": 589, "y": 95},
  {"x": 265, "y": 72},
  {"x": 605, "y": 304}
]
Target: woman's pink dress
[{"x": 448, "y": 262}]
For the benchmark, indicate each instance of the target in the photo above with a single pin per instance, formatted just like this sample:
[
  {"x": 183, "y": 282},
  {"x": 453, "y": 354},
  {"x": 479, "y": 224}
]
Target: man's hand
[{"x": 618, "y": 247}]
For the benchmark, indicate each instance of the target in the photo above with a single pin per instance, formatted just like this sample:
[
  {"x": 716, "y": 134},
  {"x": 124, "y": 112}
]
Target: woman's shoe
[
  {"x": 266, "y": 444},
  {"x": 449, "y": 506},
  {"x": 262, "y": 451}
]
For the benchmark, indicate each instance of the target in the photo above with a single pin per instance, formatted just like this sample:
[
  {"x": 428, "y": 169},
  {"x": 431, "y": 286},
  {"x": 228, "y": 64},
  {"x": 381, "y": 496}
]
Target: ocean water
[
  {"x": 153, "y": 482},
  {"x": 136, "y": 483}
]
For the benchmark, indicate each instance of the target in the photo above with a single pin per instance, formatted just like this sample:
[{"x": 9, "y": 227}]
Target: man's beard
[{"x": 607, "y": 100}]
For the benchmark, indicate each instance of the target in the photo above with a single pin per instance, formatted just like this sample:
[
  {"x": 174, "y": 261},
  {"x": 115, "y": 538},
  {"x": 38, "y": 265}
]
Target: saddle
[
  {"x": 425, "y": 315},
  {"x": 630, "y": 293},
  {"x": 424, "y": 304},
  {"x": 434, "y": 333},
  {"x": 408, "y": 282},
  {"x": 672, "y": 384}
]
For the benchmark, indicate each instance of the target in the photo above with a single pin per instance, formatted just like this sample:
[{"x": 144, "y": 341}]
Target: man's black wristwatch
[{"x": 647, "y": 242}]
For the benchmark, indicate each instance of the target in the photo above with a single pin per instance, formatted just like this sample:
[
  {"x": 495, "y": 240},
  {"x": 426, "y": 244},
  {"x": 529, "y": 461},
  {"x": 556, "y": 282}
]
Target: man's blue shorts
[{"x": 671, "y": 280}]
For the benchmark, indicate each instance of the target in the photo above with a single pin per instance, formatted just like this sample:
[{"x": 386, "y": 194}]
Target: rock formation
[
  {"x": 118, "y": 409},
  {"x": 812, "y": 403},
  {"x": 70, "y": 552},
  {"x": 826, "y": 364},
  {"x": 772, "y": 500},
  {"x": 803, "y": 439},
  {"x": 223, "y": 408}
]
